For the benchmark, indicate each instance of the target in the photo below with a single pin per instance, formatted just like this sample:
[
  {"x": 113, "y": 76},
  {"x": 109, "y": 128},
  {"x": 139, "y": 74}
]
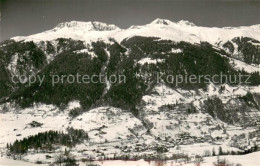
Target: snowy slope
[
  {"x": 164, "y": 29},
  {"x": 88, "y": 31},
  {"x": 116, "y": 131}
]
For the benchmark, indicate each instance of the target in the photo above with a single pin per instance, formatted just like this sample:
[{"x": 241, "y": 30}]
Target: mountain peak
[
  {"x": 168, "y": 22},
  {"x": 90, "y": 26},
  {"x": 161, "y": 21}
]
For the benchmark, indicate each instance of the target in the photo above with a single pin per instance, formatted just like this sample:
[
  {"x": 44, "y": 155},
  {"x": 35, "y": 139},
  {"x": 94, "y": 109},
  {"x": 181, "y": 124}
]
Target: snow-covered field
[
  {"x": 245, "y": 160},
  {"x": 251, "y": 159},
  {"x": 11, "y": 162},
  {"x": 15, "y": 125}
]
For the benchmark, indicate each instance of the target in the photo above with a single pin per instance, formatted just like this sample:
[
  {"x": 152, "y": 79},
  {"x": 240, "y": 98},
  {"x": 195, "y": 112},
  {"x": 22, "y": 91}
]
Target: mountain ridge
[
  {"x": 91, "y": 25},
  {"x": 162, "y": 28}
]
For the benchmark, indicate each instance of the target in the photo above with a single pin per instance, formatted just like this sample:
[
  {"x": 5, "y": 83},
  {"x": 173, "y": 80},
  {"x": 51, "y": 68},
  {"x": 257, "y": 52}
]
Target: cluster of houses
[{"x": 246, "y": 142}]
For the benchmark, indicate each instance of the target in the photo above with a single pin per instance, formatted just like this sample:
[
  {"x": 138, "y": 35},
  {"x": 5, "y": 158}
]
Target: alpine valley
[{"x": 141, "y": 118}]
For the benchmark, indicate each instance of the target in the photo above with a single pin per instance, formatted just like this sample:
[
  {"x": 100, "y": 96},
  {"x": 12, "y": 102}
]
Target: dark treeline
[
  {"x": 216, "y": 108},
  {"x": 47, "y": 141}
]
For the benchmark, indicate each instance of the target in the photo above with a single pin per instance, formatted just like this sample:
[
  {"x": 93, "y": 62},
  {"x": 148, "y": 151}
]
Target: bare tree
[
  {"x": 198, "y": 160},
  {"x": 59, "y": 159}
]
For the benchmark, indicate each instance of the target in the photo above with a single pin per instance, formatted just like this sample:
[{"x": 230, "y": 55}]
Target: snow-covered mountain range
[{"x": 162, "y": 28}]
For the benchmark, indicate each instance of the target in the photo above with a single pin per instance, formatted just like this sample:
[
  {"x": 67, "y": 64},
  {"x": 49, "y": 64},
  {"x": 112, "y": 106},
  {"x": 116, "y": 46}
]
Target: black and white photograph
[{"x": 129, "y": 82}]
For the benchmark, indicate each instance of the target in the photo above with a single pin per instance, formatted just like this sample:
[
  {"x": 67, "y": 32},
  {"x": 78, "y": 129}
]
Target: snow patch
[
  {"x": 73, "y": 105},
  {"x": 176, "y": 51},
  {"x": 149, "y": 61}
]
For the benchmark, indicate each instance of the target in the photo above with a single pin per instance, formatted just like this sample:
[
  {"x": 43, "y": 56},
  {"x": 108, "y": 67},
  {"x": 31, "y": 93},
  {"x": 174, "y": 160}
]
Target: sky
[{"x": 25, "y": 17}]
